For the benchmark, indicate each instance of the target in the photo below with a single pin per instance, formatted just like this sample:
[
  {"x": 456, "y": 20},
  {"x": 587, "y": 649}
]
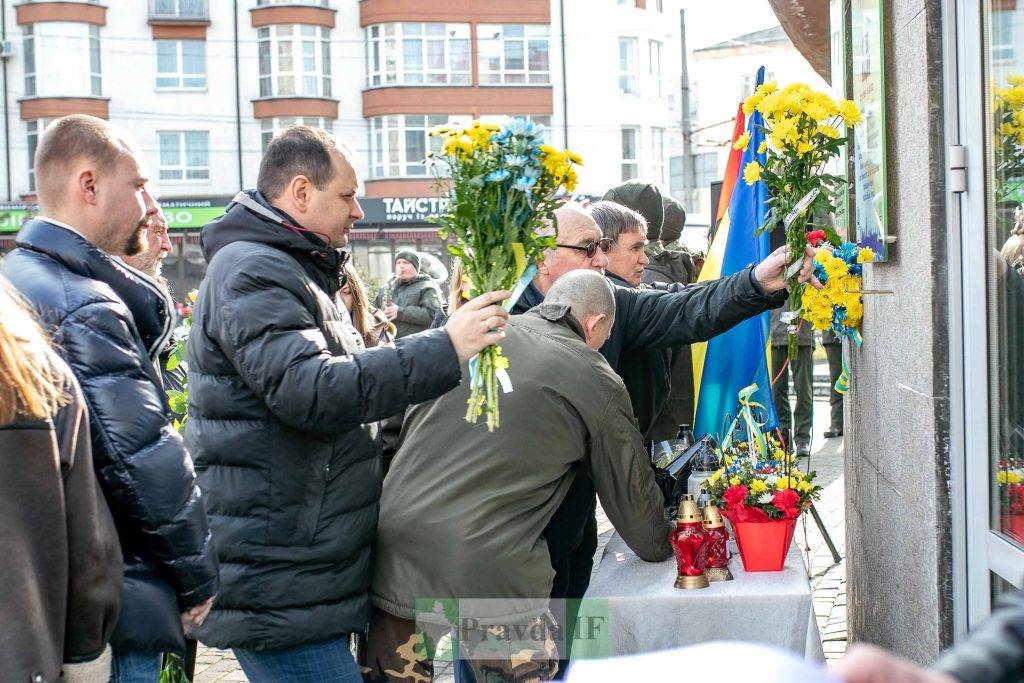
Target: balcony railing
[
  {"x": 179, "y": 10},
  {"x": 317, "y": 3}
]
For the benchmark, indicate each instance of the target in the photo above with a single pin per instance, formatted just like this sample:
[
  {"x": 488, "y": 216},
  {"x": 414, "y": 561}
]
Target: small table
[{"x": 646, "y": 613}]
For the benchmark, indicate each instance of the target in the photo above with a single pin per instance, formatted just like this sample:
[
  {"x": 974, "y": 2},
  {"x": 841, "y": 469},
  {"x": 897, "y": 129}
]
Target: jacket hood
[
  {"x": 559, "y": 314},
  {"x": 251, "y": 218},
  {"x": 151, "y": 306}
]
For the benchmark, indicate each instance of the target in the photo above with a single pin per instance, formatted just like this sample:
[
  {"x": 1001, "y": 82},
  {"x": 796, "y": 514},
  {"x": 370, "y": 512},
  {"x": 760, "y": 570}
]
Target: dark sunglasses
[{"x": 590, "y": 247}]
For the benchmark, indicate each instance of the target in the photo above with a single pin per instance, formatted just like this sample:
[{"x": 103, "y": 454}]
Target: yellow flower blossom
[
  {"x": 828, "y": 131},
  {"x": 751, "y": 103},
  {"x": 803, "y": 147},
  {"x": 804, "y": 486},
  {"x": 866, "y": 255},
  {"x": 758, "y": 486},
  {"x": 742, "y": 142},
  {"x": 752, "y": 172},
  {"x": 850, "y": 112},
  {"x": 458, "y": 145},
  {"x": 785, "y": 483},
  {"x": 763, "y": 147},
  {"x": 735, "y": 481},
  {"x": 716, "y": 475}
]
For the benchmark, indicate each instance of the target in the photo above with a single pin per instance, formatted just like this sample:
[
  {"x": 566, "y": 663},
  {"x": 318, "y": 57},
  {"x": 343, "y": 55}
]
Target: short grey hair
[
  {"x": 585, "y": 292},
  {"x": 615, "y": 219}
]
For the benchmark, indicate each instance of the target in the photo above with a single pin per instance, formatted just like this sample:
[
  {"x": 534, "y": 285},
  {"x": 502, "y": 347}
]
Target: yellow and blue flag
[{"x": 736, "y": 359}]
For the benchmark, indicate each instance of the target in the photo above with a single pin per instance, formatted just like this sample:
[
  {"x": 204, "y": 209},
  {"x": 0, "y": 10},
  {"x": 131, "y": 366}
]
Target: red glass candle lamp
[
  {"x": 717, "y": 556},
  {"x": 689, "y": 541}
]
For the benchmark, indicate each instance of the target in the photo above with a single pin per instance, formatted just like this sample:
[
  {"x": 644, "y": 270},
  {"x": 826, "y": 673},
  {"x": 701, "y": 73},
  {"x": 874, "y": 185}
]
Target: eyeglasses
[{"x": 590, "y": 247}]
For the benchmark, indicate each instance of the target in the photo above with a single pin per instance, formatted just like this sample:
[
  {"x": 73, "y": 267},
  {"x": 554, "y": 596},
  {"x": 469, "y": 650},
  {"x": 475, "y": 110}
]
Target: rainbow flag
[{"x": 738, "y": 358}]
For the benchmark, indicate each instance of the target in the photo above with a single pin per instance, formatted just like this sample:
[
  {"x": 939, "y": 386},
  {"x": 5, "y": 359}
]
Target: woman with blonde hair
[
  {"x": 371, "y": 327},
  {"x": 61, "y": 561}
]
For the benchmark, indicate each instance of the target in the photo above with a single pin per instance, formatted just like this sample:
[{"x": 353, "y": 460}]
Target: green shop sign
[
  {"x": 182, "y": 214},
  {"x": 13, "y": 215}
]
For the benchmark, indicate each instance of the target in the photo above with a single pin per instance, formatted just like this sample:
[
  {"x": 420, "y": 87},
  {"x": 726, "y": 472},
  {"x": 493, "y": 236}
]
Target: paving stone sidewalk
[{"x": 828, "y": 580}]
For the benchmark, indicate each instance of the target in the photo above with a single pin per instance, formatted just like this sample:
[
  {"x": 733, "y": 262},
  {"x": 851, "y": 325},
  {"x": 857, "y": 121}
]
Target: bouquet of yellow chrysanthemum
[
  {"x": 839, "y": 304},
  {"x": 803, "y": 136},
  {"x": 1009, "y": 115},
  {"x": 504, "y": 182}
]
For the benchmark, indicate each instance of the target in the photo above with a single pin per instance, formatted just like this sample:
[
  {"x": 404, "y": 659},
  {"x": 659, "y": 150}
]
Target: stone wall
[{"x": 897, "y": 475}]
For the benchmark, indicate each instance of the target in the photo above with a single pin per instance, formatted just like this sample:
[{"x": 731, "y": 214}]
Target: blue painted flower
[
  {"x": 525, "y": 182},
  {"x": 846, "y": 251},
  {"x": 521, "y": 127},
  {"x": 819, "y": 272},
  {"x": 497, "y": 176},
  {"x": 856, "y": 269},
  {"x": 838, "y": 313},
  {"x": 515, "y": 160}
]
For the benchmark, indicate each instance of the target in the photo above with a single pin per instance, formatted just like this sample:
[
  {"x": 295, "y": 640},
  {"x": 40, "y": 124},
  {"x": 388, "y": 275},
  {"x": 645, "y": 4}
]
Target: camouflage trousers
[{"x": 401, "y": 650}]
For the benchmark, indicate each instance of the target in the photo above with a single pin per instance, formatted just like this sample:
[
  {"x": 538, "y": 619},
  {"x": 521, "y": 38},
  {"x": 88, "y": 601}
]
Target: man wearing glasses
[{"x": 645, "y": 320}]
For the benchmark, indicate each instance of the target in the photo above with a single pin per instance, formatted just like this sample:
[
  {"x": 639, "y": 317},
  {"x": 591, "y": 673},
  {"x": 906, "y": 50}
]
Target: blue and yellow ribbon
[
  {"x": 755, "y": 435},
  {"x": 842, "y": 384}
]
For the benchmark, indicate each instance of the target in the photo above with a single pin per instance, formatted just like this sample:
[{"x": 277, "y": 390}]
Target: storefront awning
[{"x": 806, "y": 22}]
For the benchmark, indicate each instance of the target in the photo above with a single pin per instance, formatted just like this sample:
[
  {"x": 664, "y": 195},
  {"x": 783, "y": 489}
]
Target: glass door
[{"x": 991, "y": 77}]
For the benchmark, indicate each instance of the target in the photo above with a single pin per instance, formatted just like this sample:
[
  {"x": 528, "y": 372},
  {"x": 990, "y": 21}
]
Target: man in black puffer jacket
[
  {"x": 281, "y": 419},
  {"x": 109, "y": 322}
]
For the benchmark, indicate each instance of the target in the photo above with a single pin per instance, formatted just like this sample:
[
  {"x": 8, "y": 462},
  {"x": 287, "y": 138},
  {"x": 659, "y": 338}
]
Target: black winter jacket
[
  {"x": 109, "y": 323},
  {"x": 291, "y": 477},
  {"x": 649, "y": 320},
  {"x": 994, "y": 651}
]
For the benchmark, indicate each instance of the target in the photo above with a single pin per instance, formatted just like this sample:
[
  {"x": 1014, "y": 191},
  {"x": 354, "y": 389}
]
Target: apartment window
[
  {"x": 705, "y": 169},
  {"x": 399, "y": 144},
  {"x": 28, "y": 44},
  {"x": 654, "y": 59},
  {"x": 418, "y": 54},
  {"x": 1002, "y": 36},
  {"x": 658, "y": 155},
  {"x": 95, "y": 74},
  {"x": 185, "y": 155},
  {"x": 271, "y": 127},
  {"x": 513, "y": 54},
  {"x": 630, "y": 153},
  {"x": 34, "y": 130},
  {"x": 180, "y": 9},
  {"x": 295, "y": 60},
  {"x": 62, "y": 59},
  {"x": 180, "y": 64},
  {"x": 628, "y": 66}
]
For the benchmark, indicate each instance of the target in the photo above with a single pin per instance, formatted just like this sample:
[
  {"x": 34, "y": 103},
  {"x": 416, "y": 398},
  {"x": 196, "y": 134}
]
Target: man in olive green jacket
[
  {"x": 463, "y": 510},
  {"x": 411, "y": 299}
]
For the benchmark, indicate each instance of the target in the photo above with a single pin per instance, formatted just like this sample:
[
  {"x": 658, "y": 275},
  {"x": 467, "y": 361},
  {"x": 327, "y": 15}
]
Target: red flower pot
[
  {"x": 764, "y": 545},
  {"x": 1013, "y": 525}
]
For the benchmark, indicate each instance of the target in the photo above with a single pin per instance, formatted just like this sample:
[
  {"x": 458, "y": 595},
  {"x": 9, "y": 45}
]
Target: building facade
[
  {"x": 204, "y": 85},
  {"x": 722, "y": 76}
]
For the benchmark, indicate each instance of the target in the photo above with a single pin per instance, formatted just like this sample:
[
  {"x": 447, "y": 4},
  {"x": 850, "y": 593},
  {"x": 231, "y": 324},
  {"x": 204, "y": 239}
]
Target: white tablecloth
[{"x": 646, "y": 613}]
